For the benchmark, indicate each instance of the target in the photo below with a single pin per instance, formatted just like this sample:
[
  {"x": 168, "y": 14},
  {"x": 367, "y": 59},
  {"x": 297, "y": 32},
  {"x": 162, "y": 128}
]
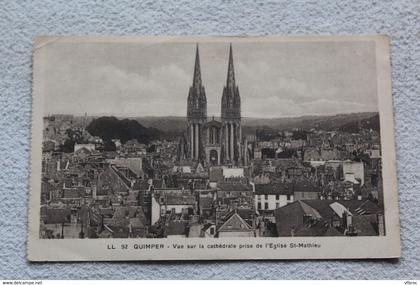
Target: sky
[{"x": 275, "y": 79}]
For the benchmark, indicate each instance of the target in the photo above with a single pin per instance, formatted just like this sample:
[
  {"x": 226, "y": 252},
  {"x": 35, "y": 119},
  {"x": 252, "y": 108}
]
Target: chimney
[
  {"x": 292, "y": 232},
  {"x": 94, "y": 192},
  {"x": 349, "y": 221}
]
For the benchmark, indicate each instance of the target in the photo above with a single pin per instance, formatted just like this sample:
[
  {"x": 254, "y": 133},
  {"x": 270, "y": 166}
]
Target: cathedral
[{"x": 213, "y": 142}]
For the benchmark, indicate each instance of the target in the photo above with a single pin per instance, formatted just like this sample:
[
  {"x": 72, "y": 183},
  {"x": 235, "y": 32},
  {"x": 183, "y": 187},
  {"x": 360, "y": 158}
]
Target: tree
[
  {"x": 109, "y": 128},
  {"x": 73, "y": 137}
]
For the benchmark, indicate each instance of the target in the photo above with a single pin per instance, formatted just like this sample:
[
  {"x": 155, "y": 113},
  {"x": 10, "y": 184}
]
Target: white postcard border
[{"x": 387, "y": 246}]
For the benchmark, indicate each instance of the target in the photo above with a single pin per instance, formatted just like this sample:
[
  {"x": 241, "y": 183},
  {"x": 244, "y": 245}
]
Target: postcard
[{"x": 208, "y": 148}]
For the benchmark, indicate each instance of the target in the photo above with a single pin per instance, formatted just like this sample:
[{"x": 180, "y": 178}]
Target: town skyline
[
  {"x": 158, "y": 140},
  {"x": 209, "y": 116},
  {"x": 110, "y": 178}
]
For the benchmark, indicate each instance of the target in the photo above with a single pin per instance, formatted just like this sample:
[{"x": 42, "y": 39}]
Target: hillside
[
  {"x": 168, "y": 125},
  {"x": 176, "y": 125},
  {"x": 172, "y": 126}
]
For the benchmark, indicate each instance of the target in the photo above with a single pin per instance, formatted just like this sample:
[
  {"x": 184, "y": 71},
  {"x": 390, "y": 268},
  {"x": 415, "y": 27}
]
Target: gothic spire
[
  {"x": 231, "y": 72},
  {"x": 197, "y": 70}
]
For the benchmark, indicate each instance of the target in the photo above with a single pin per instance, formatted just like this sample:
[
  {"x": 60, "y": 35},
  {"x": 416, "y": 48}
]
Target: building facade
[{"x": 211, "y": 141}]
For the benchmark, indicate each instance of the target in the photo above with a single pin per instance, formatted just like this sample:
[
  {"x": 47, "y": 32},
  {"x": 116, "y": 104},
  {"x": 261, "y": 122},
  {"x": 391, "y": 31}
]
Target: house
[
  {"x": 199, "y": 169},
  {"x": 111, "y": 180},
  {"x": 55, "y": 215},
  {"x": 172, "y": 201},
  {"x": 329, "y": 154},
  {"x": 47, "y": 191},
  {"x": 126, "y": 222},
  {"x": 233, "y": 196},
  {"x": 133, "y": 146},
  {"x": 87, "y": 146},
  {"x": 73, "y": 196},
  {"x": 235, "y": 226},
  {"x": 232, "y": 189},
  {"x": 202, "y": 230},
  {"x": 182, "y": 169},
  {"x": 48, "y": 146},
  {"x": 82, "y": 153},
  {"x": 269, "y": 197},
  {"x": 133, "y": 164},
  {"x": 229, "y": 173},
  {"x": 311, "y": 154},
  {"x": 208, "y": 230},
  {"x": 257, "y": 153},
  {"x": 205, "y": 204},
  {"x": 262, "y": 178},
  {"x": 59, "y": 222},
  {"x": 356, "y": 169},
  {"x": 194, "y": 230},
  {"x": 215, "y": 176},
  {"x": 177, "y": 229},
  {"x": 305, "y": 189},
  {"x": 329, "y": 218},
  {"x": 117, "y": 143}
]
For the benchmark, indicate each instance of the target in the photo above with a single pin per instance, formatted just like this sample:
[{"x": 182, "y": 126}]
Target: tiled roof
[
  {"x": 195, "y": 230},
  {"x": 356, "y": 207},
  {"x": 216, "y": 174},
  {"x": 73, "y": 193},
  {"x": 235, "y": 224},
  {"x": 50, "y": 215},
  {"x": 206, "y": 202},
  {"x": 273, "y": 188},
  {"x": 304, "y": 186},
  {"x": 318, "y": 229},
  {"x": 177, "y": 228},
  {"x": 234, "y": 186},
  {"x": 107, "y": 212},
  {"x": 366, "y": 225},
  {"x": 213, "y": 123},
  {"x": 128, "y": 211},
  {"x": 308, "y": 210},
  {"x": 283, "y": 163},
  {"x": 176, "y": 199}
]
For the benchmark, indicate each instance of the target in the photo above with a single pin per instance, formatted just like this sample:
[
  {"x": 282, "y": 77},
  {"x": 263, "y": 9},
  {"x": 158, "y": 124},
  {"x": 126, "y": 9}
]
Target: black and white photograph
[{"x": 239, "y": 145}]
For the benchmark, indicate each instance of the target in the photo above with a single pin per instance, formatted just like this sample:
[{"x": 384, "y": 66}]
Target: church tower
[
  {"x": 231, "y": 117},
  {"x": 196, "y": 113}
]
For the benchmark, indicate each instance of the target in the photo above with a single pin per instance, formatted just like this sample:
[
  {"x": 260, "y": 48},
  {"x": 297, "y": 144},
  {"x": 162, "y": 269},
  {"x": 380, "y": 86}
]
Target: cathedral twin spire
[
  {"x": 216, "y": 142},
  {"x": 197, "y": 101},
  {"x": 197, "y": 69},
  {"x": 230, "y": 82},
  {"x": 231, "y": 101}
]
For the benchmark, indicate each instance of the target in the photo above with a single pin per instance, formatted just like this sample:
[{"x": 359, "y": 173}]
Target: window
[
  {"x": 266, "y": 197},
  {"x": 277, "y": 197},
  {"x": 288, "y": 197},
  {"x": 212, "y": 231},
  {"x": 259, "y": 197},
  {"x": 259, "y": 206},
  {"x": 266, "y": 206},
  {"x": 277, "y": 205}
]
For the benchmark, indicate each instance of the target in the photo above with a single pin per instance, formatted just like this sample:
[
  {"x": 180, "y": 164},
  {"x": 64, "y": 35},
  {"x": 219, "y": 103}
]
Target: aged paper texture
[{"x": 191, "y": 148}]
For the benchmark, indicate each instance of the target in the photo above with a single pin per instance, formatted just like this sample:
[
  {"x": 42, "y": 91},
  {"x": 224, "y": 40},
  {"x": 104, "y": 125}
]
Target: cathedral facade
[{"x": 213, "y": 142}]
